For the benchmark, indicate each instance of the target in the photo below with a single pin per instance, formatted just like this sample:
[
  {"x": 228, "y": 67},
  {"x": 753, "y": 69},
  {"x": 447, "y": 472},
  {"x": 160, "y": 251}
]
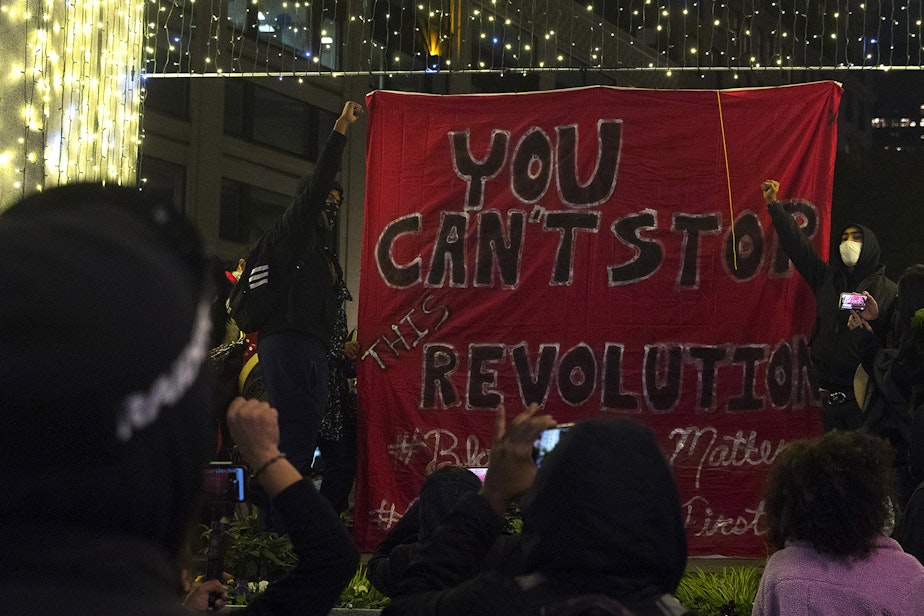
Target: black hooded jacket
[
  {"x": 440, "y": 492},
  {"x": 834, "y": 353},
  {"x": 105, "y": 415},
  {"x": 298, "y": 256},
  {"x": 604, "y": 528}
]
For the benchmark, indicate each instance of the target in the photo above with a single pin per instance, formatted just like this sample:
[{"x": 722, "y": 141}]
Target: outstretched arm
[
  {"x": 254, "y": 426},
  {"x": 793, "y": 241},
  {"x": 302, "y": 216},
  {"x": 329, "y": 160},
  {"x": 511, "y": 468}
]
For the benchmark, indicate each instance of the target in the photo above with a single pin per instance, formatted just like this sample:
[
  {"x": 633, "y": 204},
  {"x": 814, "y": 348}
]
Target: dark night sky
[{"x": 900, "y": 92}]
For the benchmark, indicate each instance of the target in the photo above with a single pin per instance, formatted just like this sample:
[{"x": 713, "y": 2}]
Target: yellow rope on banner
[{"x": 731, "y": 210}]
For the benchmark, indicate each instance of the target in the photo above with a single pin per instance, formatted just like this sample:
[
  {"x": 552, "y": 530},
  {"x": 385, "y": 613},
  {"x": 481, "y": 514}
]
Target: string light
[
  {"x": 79, "y": 114},
  {"x": 78, "y": 67},
  {"x": 504, "y": 35}
]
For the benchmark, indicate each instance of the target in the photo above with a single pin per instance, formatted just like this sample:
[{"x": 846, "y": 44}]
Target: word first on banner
[{"x": 600, "y": 251}]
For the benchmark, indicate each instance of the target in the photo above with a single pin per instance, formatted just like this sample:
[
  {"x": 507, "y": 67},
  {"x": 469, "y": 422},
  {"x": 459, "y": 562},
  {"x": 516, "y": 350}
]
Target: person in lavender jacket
[{"x": 829, "y": 514}]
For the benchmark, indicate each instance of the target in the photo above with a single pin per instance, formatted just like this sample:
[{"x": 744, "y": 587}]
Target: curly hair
[{"x": 836, "y": 492}]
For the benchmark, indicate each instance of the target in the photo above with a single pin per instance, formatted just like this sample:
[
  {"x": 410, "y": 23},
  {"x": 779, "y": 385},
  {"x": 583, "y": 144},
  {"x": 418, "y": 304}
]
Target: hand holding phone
[{"x": 511, "y": 468}]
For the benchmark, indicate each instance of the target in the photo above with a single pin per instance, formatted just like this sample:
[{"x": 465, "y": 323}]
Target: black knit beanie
[{"x": 104, "y": 325}]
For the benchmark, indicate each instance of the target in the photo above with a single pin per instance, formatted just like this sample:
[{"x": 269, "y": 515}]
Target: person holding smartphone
[
  {"x": 854, "y": 268},
  {"x": 327, "y": 558},
  {"x": 603, "y": 530}
]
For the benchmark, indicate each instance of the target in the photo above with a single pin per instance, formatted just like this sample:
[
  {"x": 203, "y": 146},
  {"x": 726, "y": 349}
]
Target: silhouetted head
[
  {"x": 605, "y": 505},
  {"x": 104, "y": 406},
  {"x": 835, "y": 492}
]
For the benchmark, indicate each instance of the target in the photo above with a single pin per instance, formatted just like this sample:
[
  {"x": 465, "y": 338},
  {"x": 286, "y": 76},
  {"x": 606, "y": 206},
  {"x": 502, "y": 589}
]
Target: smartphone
[
  {"x": 853, "y": 301},
  {"x": 224, "y": 483},
  {"x": 547, "y": 441}
]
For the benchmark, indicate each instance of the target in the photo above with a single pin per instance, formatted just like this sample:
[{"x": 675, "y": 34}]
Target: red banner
[{"x": 601, "y": 251}]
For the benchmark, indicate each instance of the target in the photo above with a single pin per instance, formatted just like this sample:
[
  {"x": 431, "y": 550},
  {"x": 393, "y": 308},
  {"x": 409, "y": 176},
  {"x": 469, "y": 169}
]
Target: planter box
[{"x": 337, "y": 611}]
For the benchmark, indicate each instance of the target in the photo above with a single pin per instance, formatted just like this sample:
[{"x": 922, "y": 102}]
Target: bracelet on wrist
[{"x": 266, "y": 465}]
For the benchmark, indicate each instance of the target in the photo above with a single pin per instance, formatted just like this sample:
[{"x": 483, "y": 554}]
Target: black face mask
[{"x": 329, "y": 212}]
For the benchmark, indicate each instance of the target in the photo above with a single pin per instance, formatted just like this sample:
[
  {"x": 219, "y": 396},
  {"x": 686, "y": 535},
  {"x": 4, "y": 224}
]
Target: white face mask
[{"x": 850, "y": 252}]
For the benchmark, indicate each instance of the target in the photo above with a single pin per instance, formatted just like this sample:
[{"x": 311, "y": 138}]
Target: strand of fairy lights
[
  {"x": 61, "y": 131},
  {"x": 709, "y": 40},
  {"x": 77, "y": 65}
]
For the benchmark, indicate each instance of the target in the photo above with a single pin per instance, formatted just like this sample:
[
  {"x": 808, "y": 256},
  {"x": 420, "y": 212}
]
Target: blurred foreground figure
[
  {"x": 104, "y": 411},
  {"x": 105, "y": 415}
]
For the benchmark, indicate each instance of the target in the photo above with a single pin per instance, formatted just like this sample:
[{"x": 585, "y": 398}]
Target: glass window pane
[
  {"x": 309, "y": 29},
  {"x": 234, "y": 107},
  {"x": 247, "y": 211},
  {"x": 280, "y": 121},
  {"x": 266, "y": 117},
  {"x": 163, "y": 181}
]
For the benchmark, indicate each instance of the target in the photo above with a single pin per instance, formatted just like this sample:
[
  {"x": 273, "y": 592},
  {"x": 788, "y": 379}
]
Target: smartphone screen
[
  {"x": 480, "y": 471},
  {"x": 224, "y": 484},
  {"x": 853, "y": 301},
  {"x": 547, "y": 441}
]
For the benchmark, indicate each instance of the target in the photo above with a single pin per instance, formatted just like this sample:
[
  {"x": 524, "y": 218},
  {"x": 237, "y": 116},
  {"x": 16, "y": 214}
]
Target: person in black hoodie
[
  {"x": 104, "y": 406},
  {"x": 894, "y": 391},
  {"x": 853, "y": 268},
  {"x": 603, "y": 529},
  {"x": 294, "y": 342},
  {"x": 439, "y": 494},
  {"x": 105, "y": 415}
]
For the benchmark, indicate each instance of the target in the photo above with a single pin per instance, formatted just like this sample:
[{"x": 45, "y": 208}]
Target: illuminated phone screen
[{"x": 548, "y": 440}]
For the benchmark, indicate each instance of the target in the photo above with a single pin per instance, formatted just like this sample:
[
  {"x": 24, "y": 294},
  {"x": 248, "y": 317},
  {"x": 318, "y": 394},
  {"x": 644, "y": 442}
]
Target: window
[
  {"x": 266, "y": 117},
  {"x": 310, "y": 29},
  {"x": 163, "y": 181},
  {"x": 247, "y": 211},
  {"x": 168, "y": 95}
]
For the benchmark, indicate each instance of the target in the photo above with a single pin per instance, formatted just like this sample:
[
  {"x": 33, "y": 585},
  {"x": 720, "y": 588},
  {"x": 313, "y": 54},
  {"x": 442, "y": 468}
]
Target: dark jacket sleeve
[
  {"x": 327, "y": 558},
  {"x": 298, "y": 225},
  {"x": 797, "y": 247},
  {"x": 868, "y": 343},
  {"x": 297, "y": 262}
]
